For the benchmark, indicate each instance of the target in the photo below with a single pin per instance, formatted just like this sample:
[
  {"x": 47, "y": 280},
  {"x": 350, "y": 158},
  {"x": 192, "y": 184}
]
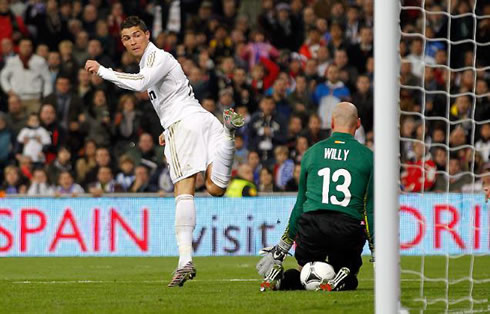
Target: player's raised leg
[
  {"x": 218, "y": 174},
  {"x": 185, "y": 222}
]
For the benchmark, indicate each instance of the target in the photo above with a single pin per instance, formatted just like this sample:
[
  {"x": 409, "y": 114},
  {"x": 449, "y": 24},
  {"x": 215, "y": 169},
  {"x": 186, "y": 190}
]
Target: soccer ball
[{"x": 314, "y": 273}]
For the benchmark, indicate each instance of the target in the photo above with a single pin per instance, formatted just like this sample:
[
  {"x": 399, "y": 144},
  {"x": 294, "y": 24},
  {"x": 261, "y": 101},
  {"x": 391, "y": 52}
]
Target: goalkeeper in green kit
[{"x": 333, "y": 206}]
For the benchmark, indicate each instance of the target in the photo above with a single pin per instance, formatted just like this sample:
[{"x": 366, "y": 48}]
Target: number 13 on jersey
[{"x": 343, "y": 188}]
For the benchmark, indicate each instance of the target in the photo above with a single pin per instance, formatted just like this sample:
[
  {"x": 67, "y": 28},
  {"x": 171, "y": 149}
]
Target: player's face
[{"x": 135, "y": 40}]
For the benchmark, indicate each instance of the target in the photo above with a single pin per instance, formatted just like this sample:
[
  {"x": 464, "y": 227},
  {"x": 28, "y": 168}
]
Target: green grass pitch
[{"x": 223, "y": 285}]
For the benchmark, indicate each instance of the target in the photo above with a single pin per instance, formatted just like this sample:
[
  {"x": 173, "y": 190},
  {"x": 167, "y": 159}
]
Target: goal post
[{"x": 386, "y": 165}]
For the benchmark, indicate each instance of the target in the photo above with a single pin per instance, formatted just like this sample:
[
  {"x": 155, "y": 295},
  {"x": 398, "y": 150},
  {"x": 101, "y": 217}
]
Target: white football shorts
[{"x": 190, "y": 144}]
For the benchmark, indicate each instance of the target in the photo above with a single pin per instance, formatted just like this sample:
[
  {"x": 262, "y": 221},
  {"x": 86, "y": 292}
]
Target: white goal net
[{"x": 444, "y": 155}]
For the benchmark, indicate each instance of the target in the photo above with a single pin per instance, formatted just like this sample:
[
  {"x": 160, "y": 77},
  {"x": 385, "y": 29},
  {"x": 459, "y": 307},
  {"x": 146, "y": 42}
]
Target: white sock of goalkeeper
[
  {"x": 185, "y": 222},
  {"x": 223, "y": 161}
]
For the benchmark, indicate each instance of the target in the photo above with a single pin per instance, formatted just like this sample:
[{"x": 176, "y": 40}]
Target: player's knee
[{"x": 213, "y": 189}]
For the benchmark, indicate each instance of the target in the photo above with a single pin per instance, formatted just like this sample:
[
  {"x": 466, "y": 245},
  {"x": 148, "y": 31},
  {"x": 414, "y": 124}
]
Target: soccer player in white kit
[{"x": 195, "y": 139}]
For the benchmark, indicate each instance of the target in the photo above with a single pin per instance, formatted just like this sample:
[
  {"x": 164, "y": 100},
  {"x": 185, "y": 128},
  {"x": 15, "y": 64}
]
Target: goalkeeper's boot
[
  {"x": 232, "y": 120},
  {"x": 337, "y": 283},
  {"x": 273, "y": 279},
  {"x": 181, "y": 275}
]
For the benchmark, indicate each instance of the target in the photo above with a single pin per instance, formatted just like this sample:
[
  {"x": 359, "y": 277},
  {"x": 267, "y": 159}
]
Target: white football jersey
[{"x": 169, "y": 89}]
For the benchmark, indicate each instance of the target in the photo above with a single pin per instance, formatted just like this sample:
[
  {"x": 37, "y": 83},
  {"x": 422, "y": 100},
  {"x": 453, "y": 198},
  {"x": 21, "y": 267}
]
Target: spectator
[
  {"x": 11, "y": 26},
  {"x": 286, "y": 32},
  {"x": 413, "y": 178},
  {"x": 253, "y": 160},
  {"x": 68, "y": 108},
  {"x": 146, "y": 153},
  {"x": 283, "y": 168},
  {"x": 293, "y": 183},
  {"x": 126, "y": 176},
  {"x": 209, "y": 104},
  {"x": 126, "y": 125},
  {"x": 221, "y": 45},
  {"x": 54, "y": 65},
  {"x": 104, "y": 183},
  {"x": 263, "y": 75},
  {"x": 259, "y": 48},
  {"x": 300, "y": 149},
  {"x": 39, "y": 184},
  {"x": 279, "y": 95},
  {"x": 95, "y": 122},
  {"x": 86, "y": 161},
  {"x": 347, "y": 73},
  {"x": 61, "y": 163},
  {"x": 323, "y": 61},
  {"x": 313, "y": 41},
  {"x": 417, "y": 57},
  {"x": 57, "y": 134},
  {"x": 360, "y": 52},
  {"x": 241, "y": 151},
  {"x": 337, "y": 39},
  {"x": 69, "y": 66},
  {"x": 52, "y": 28},
  {"x": 242, "y": 185},
  {"x": 454, "y": 180},
  {"x": 329, "y": 94},
  {"x": 314, "y": 133},
  {"x": 27, "y": 75},
  {"x": 482, "y": 109},
  {"x": 13, "y": 183},
  {"x": 461, "y": 111},
  {"x": 5, "y": 142},
  {"x": 141, "y": 183},
  {"x": 300, "y": 98},
  {"x": 439, "y": 156},
  {"x": 33, "y": 139},
  {"x": 483, "y": 144},
  {"x": 84, "y": 88},
  {"x": 16, "y": 117},
  {"x": 242, "y": 93},
  {"x": 7, "y": 51},
  {"x": 363, "y": 99},
  {"x": 266, "y": 181},
  {"x": 102, "y": 159},
  {"x": 67, "y": 186},
  {"x": 80, "y": 53},
  {"x": 267, "y": 129},
  {"x": 95, "y": 52},
  {"x": 89, "y": 19},
  {"x": 352, "y": 25},
  {"x": 161, "y": 179}
]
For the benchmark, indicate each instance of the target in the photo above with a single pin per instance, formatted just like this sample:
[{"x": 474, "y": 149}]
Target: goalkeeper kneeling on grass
[{"x": 335, "y": 199}]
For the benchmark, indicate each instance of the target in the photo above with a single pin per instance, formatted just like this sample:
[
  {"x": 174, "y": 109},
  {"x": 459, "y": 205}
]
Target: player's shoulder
[{"x": 156, "y": 56}]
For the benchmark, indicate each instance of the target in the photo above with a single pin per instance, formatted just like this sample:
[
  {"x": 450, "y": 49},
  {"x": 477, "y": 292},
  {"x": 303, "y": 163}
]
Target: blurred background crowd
[{"x": 282, "y": 64}]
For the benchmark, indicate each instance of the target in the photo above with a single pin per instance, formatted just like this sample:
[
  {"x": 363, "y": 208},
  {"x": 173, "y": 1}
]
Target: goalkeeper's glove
[{"x": 273, "y": 256}]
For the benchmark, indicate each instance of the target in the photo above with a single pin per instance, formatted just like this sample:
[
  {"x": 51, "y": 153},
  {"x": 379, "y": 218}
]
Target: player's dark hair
[{"x": 132, "y": 21}]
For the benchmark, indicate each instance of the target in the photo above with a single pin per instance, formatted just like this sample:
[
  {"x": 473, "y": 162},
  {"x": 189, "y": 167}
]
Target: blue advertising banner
[{"x": 430, "y": 224}]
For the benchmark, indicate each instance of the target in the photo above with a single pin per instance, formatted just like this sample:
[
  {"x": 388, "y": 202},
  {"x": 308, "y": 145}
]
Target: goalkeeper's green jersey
[{"x": 336, "y": 174}]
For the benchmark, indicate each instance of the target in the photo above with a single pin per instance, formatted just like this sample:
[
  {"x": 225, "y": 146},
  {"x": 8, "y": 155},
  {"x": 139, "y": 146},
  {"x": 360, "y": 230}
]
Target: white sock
[
  {"x": 221, "y": 171},
  {"x": 185, "y": 222}
]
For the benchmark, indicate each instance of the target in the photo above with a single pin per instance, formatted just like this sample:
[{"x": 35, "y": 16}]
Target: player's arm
[
  {"x": 369, "y": 213},
  {"x": 153, "y": 72},
  {"x": 292, "y": 228}
]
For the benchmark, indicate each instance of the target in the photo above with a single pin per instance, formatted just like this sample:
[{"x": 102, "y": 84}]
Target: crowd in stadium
[{"x": 283, "y": 65}]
